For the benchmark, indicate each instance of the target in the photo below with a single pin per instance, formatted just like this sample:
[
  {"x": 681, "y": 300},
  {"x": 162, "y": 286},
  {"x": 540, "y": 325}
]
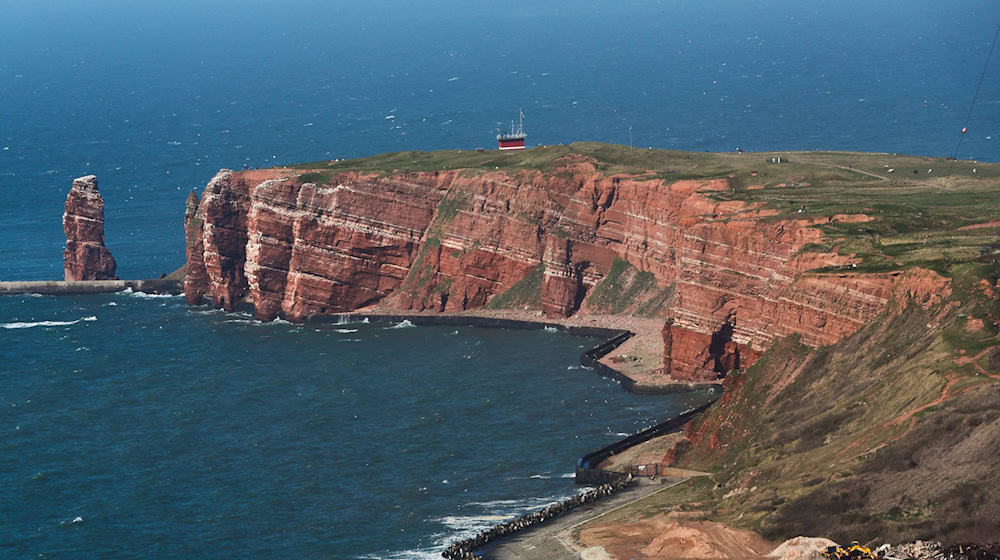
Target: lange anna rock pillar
[{"x": 86, "y": 257}]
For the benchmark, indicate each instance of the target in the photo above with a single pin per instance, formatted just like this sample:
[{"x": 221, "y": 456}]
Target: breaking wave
[
  {"x": 143, "y": 295},
  {"x": 415, "y": 554},
  {"x": 46, "y": 323},
  {"x": 404, "y": 324}
]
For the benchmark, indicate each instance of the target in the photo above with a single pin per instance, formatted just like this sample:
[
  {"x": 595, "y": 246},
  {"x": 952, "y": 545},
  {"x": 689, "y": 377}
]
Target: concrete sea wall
[{"x": 85, "y": 287}]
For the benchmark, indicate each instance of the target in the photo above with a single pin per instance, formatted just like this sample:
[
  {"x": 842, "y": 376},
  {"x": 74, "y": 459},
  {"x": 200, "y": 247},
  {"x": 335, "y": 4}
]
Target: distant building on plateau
[{"x": 514, "y": 140}]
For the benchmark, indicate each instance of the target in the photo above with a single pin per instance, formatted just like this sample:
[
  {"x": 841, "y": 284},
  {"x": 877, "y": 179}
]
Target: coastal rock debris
[
  {"x": 972, "y": 551},
  {"x": 463, "y": 550},
  {"x": 918, "y": 550}
]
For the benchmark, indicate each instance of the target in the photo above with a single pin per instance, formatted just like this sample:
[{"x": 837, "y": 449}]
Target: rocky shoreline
[{"x": 464, "y": 549}]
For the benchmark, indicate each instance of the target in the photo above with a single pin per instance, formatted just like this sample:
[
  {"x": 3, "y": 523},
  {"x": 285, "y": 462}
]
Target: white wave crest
[
  {"x": 414, "y": 554},
  {"x": 519, "y": 504},
  {"x": 345, "y": 331},
  {"x": 206, "y": 311},
  {"x": 550, "y": 329},
  {"x": 472, "y": 523},
  {"x": 19, "y": 325},
  {"x": 350, "y": 320},
  {"x": 404, "y": 324},
  {"x": 143, "y": 295}
]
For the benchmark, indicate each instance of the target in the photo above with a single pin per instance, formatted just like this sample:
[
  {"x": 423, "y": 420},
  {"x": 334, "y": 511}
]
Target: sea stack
[{"x": 86, "y": 257}]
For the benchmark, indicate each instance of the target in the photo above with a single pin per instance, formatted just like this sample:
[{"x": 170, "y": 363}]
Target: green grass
[
  {"x": 317, "y": 177},
  {"x": 626, "y": 288},
  {"x": 526, "y": 292},
  {"x": 606, "y": 295},
  {"x": 452, "y": 204},
  {"x": 421, "y": 272},
  {"x": 657, "y": 305},
  {"x": 471, "y": 160}
]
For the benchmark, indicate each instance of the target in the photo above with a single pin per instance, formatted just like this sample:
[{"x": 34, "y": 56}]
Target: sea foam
[
  {"x": 18, "y": 325},
  {"x": 143, "y": 295}
]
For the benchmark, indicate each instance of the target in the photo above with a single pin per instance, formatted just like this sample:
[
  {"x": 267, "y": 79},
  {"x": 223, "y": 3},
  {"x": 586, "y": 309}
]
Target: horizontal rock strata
[
  {"x": 737, "y": 277},
  {"x": 85, "y": 256}
]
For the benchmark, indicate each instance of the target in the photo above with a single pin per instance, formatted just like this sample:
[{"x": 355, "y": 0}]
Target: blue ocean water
[
  {"x": 154, "y": 97},
  {"x": 136, "y": 427},
  {"x": 175, "y": 432}
]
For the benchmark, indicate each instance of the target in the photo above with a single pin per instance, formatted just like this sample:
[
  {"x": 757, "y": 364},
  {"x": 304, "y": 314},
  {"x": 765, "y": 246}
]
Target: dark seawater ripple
[
  {"x": 158, "y": 96},
  {"x": 134, "y": 426},
  {"x": 176, "y": 433}
]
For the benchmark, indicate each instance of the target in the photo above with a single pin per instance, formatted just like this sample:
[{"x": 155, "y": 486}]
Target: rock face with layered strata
[
  {"x": 737, "y": 277},
  {"x": 85, "y": 256}
]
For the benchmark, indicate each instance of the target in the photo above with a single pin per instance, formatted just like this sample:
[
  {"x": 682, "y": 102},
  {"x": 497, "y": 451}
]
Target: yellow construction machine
[{"x": 855, "y": 551}]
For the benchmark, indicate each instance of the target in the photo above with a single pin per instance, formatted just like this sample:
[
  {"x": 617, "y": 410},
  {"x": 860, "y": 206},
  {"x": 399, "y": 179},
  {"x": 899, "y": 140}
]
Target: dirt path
[
  {"x": 974, "y": 360},
  {"x": 899, "y": 178},
  {"x": 910, "y": 416}
]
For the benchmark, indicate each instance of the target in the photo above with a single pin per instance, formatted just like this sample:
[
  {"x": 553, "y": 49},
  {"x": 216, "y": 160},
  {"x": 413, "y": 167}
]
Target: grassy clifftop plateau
[{"x": 921, "y": 206}]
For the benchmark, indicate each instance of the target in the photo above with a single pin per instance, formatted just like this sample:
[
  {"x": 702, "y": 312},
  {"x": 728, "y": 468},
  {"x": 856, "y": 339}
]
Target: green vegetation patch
[
  {"x": 442, "y": 160},
  {"x": 527, "y": 292},
  {"x": 624, "y": 288},
  {"x": 452, "y": 204},
  {"x": 317, "y": 177},
  {"x": 657, "y": 305},
  {"x": 422, "y": 271}
]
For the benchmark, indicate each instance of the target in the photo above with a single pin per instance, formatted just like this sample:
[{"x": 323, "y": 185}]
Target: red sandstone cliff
[
  {"x": 85, "y": 256},
  {"x": 453, "y": 240}
]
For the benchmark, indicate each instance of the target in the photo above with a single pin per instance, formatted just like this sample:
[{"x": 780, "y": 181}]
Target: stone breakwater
[
  {"x": 463, "y": 549},
  {"x": 85, "y": 287},
  {"x": 728, "y": 277}
]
